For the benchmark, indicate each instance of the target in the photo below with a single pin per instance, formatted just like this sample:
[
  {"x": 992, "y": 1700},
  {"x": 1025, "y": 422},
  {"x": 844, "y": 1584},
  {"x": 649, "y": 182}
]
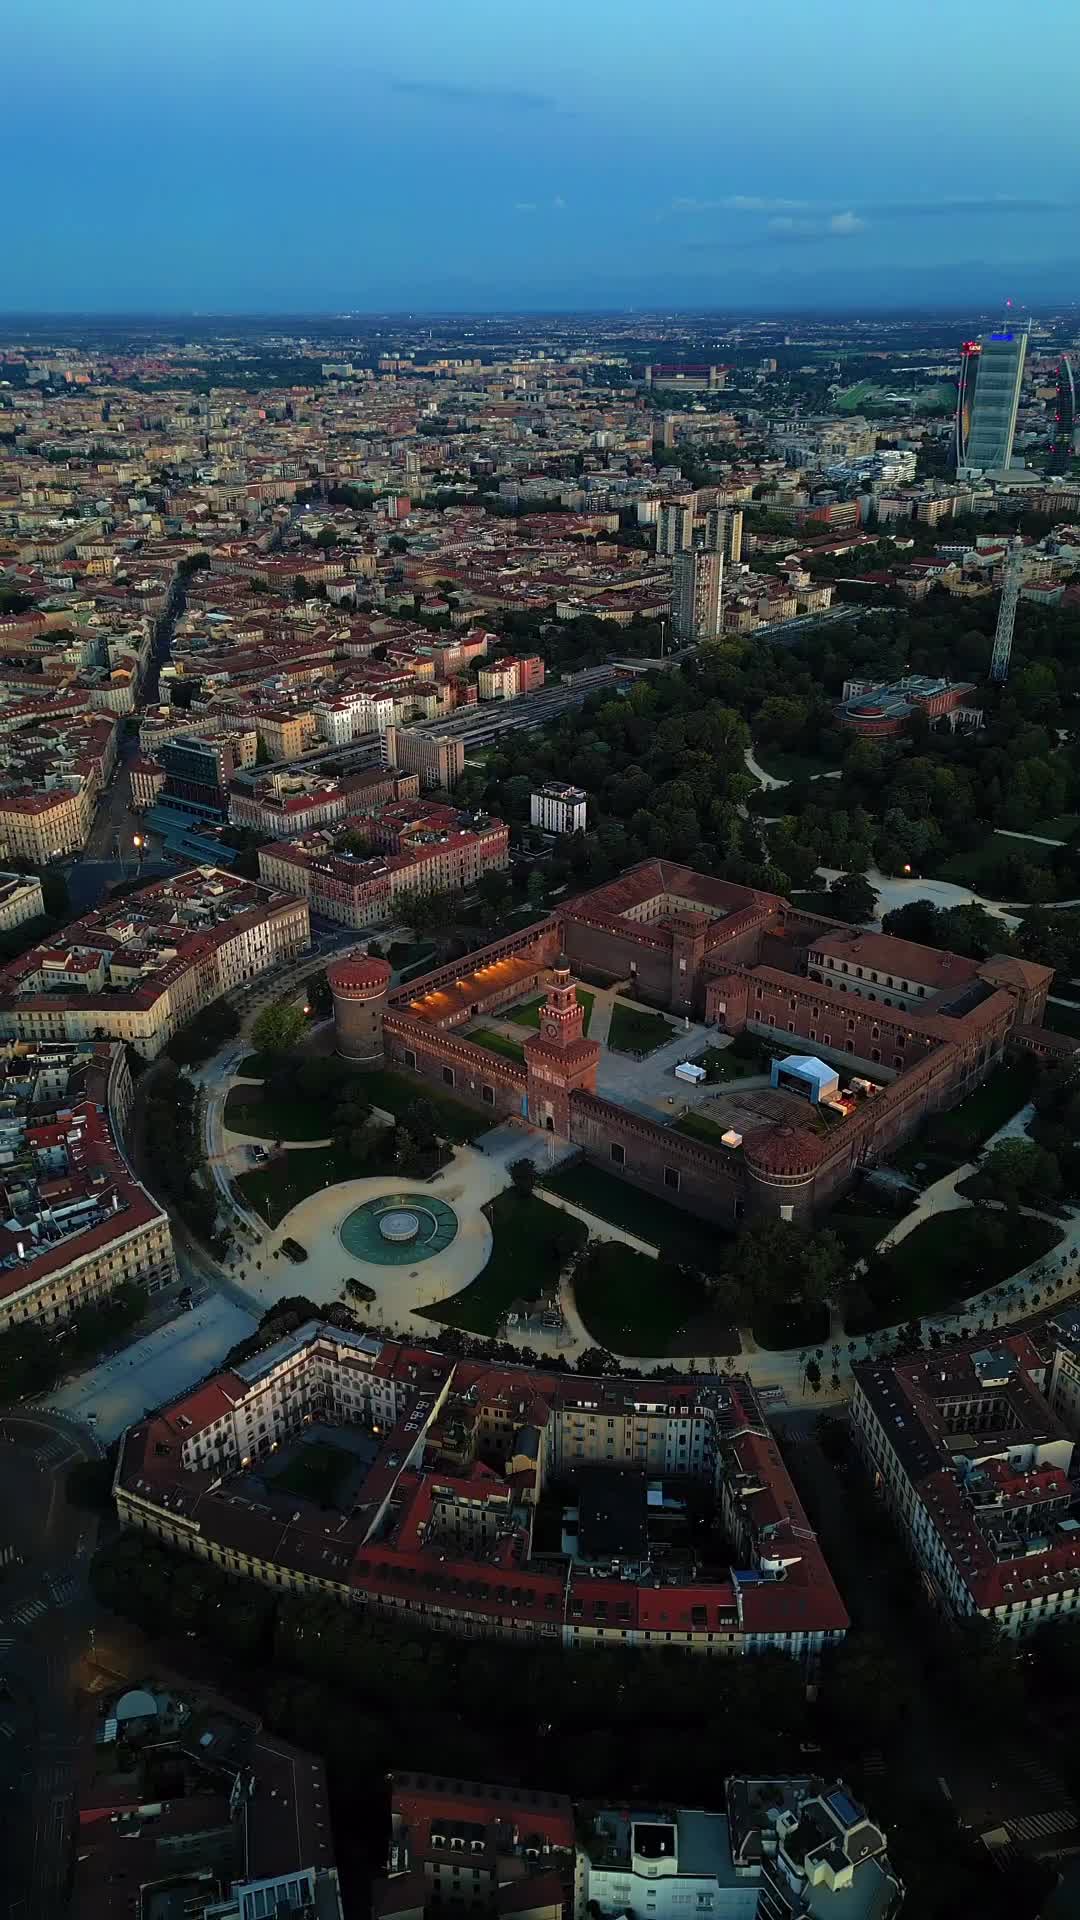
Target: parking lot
[{"x": 154, "y": 1368}]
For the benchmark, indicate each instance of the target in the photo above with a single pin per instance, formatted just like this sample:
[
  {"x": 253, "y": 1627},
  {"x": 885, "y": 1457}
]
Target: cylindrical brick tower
[{"x": 358, "y": 984}]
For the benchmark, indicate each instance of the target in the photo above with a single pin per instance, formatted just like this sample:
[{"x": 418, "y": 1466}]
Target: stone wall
[
  {"x": 704, "y": 1180},
  {"x": 488, "y": 1081}
]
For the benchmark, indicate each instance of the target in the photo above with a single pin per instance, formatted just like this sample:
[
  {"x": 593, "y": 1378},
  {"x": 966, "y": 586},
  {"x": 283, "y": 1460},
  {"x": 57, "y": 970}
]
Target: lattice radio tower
[{"x": 1006, "y": 620}]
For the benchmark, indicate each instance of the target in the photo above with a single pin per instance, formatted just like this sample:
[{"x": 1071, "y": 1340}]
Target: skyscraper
[
  {"x": 723, "y": 532},
  {"x": 696, "y": 596},
  {"x": 674, "y": 528},
  {"x": 991, "y": 373}
]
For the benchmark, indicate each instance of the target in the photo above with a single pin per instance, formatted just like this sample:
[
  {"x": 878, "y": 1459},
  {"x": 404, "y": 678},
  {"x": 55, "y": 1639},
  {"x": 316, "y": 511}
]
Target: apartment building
[
  {"x": 137, "y": 970},
  {"x": 77, "y": 1222},
  {"x": 457, "y": 1844},
  {"x": 437, "y": 759},
  {"x": 439, "y": 1527},
  {"x": 557, "y": 808},
  {"x": 697, "y": 583},
  {"x": 422, "y": 856},
  {"x": 784, "y": 1847},
  {"x": 965, "y": 1450},
  {"x": 20, "y": 899},
  {"x": 513, "y": 675}
]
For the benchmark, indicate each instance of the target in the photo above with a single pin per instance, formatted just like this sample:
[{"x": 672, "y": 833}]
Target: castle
[{"x": 923, "y": 1026}]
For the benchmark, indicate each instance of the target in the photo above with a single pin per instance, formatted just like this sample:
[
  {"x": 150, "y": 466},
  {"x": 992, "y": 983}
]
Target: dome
[
  {"x": 783, "y": 1150},
  {"x": 358, "y": 973},
  {"x": 136, "y": 1705}
]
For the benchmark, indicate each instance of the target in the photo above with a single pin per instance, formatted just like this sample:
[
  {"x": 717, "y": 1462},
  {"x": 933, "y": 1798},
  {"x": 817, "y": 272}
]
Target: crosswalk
[
  {"x": 58, "y": 1448},
  {"x": 10, "y": 1557},
  {"x": 28, "y": 1612},
  {"x": 7, "y": 1729},
  {"x": 1042, "y": 1826},
  {"x": 63, "y": 1590}
]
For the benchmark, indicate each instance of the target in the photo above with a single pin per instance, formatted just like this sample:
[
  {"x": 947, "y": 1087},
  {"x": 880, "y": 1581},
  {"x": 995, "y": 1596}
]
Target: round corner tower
[{"x": 359, "y": 985}]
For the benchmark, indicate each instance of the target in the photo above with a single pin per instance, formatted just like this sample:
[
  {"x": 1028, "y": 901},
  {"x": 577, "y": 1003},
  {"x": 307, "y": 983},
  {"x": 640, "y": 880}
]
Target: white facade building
[{"x": 557, "y": 808}]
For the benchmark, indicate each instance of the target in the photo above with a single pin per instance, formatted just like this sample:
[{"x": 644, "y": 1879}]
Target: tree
[
  {"x": 852, "y": 897},
  {"x": 319, "y": 997},
  {"x": 278, "y": 1027},
  {"x": 1020, "y": 1173},
  {"x": 523, "y": 1174},
  {"x": 915, "y": 920}
]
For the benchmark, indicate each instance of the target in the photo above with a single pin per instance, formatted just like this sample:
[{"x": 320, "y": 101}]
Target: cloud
[
  {"x": 845, "y": 223},
  {"x": 784, "y": 226},
  {"x": 740, "y": 203},
  {"x": 525, "y": 206},
  {"x": 555, "y": 205},
  {"x": 463, "y": 96},
  {"x": 558, "y": 203}
]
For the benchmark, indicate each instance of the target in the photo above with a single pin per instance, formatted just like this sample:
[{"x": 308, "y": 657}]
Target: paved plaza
[{"x": 156, "y": 1368}]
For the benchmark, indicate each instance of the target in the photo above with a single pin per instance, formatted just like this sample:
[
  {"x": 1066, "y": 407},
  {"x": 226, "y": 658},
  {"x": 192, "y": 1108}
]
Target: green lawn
[
  {"x": 317, "y": 1473},
  {"x": 497, "y": 1043},
  {"x": 1001, "y": 1095},
  {"x": 396, "y": 1092},
  {"x": 266, "y": 1116},
  {"x": 1060, "y": 827},
  {"x": 527, "y": 1014},
  {"x": 291, "y": 1176},
  {"x": 634, "y": 1031},
  {"x": 680, "y": 1235},
  {"x": 699, "y": 1127},
  {"x": 254, "y": 1066},
  {"x": 530, "y": 1243},
  {"x": 792, "y": 766},
  {"x": 943, "y": 1262},
  {"x": 635, "y": 1305},
  {"x": 980, "y": 868}
]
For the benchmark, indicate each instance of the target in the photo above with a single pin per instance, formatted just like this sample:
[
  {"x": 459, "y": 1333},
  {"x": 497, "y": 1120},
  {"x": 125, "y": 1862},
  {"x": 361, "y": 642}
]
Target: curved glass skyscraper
[{"x": 992, "y": 370}]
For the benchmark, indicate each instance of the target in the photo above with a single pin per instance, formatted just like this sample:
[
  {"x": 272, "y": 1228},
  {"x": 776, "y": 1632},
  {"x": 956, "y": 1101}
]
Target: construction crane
[{"x": 1006, "y": 620}]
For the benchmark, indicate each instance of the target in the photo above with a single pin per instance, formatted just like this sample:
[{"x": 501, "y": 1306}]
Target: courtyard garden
[
  {"x": 633, "y": 1030},
  {"x": 530, "y": 1243},
  {"x": 527, "y": 1014},
  {"x": 498, "y": 1043},
  {"x": 317, "y": 1473},
  {"x": 267, "y": 1115}
]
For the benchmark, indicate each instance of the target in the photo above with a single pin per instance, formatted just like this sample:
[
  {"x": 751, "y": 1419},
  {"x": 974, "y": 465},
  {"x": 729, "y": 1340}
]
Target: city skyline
[{"x": 257, "y": 164}]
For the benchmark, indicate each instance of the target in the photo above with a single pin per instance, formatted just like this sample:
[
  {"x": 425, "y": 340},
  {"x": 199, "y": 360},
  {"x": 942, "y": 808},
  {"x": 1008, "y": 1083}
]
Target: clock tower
[{"x": 559, "y": 1059}]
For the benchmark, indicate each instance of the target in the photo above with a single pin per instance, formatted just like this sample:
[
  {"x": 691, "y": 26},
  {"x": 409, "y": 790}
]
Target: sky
[{"x": 337, "y": 155}]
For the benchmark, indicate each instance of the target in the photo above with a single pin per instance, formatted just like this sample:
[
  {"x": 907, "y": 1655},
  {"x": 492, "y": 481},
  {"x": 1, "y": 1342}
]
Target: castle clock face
[{"x": 552, "y": 1028}]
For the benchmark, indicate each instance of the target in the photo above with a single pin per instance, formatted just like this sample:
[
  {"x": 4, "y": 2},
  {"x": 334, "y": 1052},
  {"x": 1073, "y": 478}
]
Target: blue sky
[{"x": 337, "y": 155}]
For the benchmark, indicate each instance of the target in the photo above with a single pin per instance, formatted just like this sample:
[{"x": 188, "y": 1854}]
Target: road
[{"x": 44, "y": 1610}]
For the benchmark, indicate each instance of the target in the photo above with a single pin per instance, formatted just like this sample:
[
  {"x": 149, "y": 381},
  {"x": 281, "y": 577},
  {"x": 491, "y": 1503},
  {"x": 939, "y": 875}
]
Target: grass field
[
  {"x": 396, "y": 1092},
  {"x": 698, "y": 1126},
  {"x": 291, "y": 1176},
  {"x": 984, "y": 1111},
  {"x": 497, "y": 1043},
  {"x": 1060, "y": 827},
  {"x": 249, "y": 1109},
  {"x": 634, "y": 1031},
  {"x": 677, "y": 1234},
  {"x": 530, "y": 1242},
  {"x": 528, "y": 1013},
  {"x": 317, "y": 1473},
  {"x": 792, "y": 766},
  {"x": 980, "y": 868},
  {"x": 636, "y": 1305},
  {"x": 942, "y": 1263}
]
